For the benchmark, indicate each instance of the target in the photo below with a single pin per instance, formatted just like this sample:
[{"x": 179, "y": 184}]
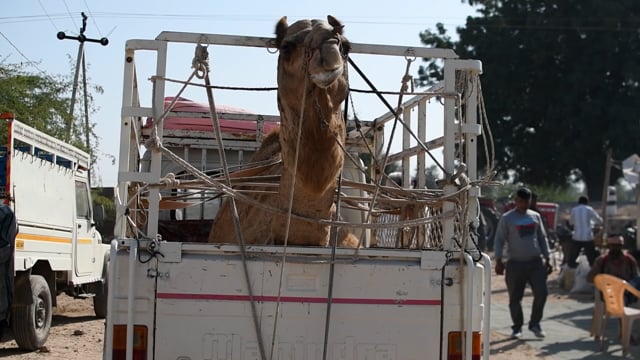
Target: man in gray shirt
[{"x": 522, "y": 231}]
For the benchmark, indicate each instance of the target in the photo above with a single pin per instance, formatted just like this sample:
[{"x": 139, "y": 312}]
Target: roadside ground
[{"x": 76, "y": 334}]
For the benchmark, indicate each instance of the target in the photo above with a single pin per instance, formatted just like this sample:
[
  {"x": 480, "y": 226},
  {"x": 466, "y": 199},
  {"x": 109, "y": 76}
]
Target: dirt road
[{"x": 75, "y": 334}]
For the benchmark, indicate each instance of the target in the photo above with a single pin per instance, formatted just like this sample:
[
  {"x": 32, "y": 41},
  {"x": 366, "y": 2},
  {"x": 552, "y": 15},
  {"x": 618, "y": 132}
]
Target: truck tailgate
[{"x": 380, "y": 308}]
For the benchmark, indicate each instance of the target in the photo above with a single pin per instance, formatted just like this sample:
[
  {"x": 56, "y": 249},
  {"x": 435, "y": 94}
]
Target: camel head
[
  {"x": 312, "y": 85},
  {"x": 316, "y": 45}
]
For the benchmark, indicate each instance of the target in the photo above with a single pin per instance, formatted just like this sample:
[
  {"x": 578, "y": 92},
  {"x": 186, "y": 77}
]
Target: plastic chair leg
[
  {"x": 603, "y": 327},
  {"x": 626, "y": 335},
  {"x": 597, "y": 317}
]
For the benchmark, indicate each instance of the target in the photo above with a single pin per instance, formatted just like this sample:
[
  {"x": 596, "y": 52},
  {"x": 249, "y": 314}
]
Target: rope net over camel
[{"x": 314, "y": 174}]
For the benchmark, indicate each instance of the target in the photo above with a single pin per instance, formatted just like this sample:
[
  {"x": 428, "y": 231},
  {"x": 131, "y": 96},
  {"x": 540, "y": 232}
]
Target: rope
[
  {"x": 334, "y": 245},
  {"x": 201, "y": 70},
  {"x": 271, "y": 88},
  {"x": 201, "y": 66},
  {"x": 484, "y": 120},
  {"x": 405, "y": 223},
  {"x": 393, "y": 129},
  {"x": 290, "y": 201},
  {"x": 397, "y": 117},
  {"x": 332, "y": 269}
]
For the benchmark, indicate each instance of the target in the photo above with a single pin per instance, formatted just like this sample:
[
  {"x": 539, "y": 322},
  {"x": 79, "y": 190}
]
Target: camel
[{"x": 311, "y": 67}]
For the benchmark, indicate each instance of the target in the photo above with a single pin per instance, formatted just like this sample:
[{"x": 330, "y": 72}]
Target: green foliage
[
  {"x": 104, "y": 197},
  {"x": 560, "y": 85},
  {"x": 432, "y": 174},
  {"x": 393, "y": 167},
  {"x": 43, "y": 102},
  {"x": 100, "y": 199},
  {"x": 545, "y": 193}
]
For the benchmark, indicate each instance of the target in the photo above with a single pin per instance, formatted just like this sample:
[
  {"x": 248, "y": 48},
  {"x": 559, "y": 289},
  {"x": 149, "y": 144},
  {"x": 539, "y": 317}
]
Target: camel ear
[
  {"x": 281, "y": 30},
  {"x": 337, "y": 25}
]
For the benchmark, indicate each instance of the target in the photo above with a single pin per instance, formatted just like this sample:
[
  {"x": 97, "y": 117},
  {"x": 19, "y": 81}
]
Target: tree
[
  {"x": 432, "y": 174},
  {"x": 560, "y": 84},
  {"x": 43, "y": 102}
]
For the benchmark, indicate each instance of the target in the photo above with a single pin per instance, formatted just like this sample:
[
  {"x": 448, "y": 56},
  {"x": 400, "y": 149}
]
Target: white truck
[
  {"x": 418, "y": 289},
  {"x": 57, "y": 248}
]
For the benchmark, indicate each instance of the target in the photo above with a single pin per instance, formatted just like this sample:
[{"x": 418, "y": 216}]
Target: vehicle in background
[
  {"x": 57, "y": 249},
  {"x": 549, "y": 212}
]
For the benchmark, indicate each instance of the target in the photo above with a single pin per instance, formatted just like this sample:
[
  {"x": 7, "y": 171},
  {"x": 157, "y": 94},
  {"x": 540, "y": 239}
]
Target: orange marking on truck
[{"x": 55, "y": 239}]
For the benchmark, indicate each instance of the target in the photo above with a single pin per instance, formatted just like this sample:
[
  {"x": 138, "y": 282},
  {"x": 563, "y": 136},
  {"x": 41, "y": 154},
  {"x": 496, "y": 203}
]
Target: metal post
[
  {"x": 605, "y": 192},
  {"x": 80, "y": 57},
  {"x": 637, "y": 216},
  {"x": 86, "y": 115},
  {"x": 80, "y": 60}
]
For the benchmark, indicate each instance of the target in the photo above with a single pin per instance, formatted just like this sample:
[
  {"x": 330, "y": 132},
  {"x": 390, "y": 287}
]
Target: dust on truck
[
  {"x": 57, "y": 249},
  {"x": 418, "y": 288}
]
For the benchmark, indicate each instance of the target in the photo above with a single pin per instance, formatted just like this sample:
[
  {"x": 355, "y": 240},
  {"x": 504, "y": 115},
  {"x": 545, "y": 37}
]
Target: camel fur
[{"x": 311, "y": 67}]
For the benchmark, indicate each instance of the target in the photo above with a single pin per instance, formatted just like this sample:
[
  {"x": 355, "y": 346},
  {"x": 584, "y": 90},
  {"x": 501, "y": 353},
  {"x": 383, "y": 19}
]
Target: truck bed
[{"x": 203, "y": 308}]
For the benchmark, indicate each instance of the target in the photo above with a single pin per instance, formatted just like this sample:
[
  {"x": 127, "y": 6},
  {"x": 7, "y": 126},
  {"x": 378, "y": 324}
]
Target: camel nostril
[{"x": 331, "y": 57}]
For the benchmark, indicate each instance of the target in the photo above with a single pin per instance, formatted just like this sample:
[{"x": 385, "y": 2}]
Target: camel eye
[{"x": 332, "y": 41}]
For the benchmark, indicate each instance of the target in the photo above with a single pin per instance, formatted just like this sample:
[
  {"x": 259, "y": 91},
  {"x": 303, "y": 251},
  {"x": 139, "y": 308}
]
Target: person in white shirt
[{"x": 583, "y": 218}]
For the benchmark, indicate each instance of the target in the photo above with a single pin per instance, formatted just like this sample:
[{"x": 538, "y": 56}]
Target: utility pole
[
  {"x": 80, "y": 60},
  {"x": 605, "y": 193}
]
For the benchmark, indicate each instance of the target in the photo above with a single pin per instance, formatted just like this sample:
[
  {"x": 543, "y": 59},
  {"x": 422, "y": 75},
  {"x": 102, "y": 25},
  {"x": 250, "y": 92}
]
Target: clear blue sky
[{"x": 28, "y": 35}]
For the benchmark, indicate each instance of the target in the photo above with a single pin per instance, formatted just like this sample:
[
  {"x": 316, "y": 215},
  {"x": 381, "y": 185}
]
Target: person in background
[
  {"x": 534, "y": 206},
  {"x": 583, "y": 218},
  {"x": 522, "y": 230},
  {"x": 618, "y": 263}
]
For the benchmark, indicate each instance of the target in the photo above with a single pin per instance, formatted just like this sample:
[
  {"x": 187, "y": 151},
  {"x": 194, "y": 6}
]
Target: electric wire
[
  {"x": 93, "y": 19},
  {"x": 47, "y": 15},
  {"x": 29, "y": 61},
  {"x": 70, "y": 14}
]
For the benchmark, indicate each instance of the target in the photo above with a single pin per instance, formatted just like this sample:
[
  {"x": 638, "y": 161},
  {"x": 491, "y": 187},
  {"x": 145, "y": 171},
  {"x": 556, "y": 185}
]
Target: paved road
[{"x": 567, "y": 321}]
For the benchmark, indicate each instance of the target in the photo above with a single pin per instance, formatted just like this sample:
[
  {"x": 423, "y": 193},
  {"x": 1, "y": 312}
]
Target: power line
[
  {"x": 25, "y": 57},
  {"x": 47, "y": 14},
  {"x": 554, "y": 23},
  {"x": 69, "y": 12},
  {"x": 92, "y": 17},
  {"x": 225, "y": 17}
]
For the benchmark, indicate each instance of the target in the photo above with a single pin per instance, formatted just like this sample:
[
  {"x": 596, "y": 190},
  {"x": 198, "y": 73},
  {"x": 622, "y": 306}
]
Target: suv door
[{"x": 84, "y": 240}]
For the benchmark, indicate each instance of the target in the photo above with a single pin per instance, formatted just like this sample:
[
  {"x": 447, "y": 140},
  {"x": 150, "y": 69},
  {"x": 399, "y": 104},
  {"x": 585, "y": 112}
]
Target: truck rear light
[
  {"x": 120, "y": 342},
  {"x": 455, "y": 347}
]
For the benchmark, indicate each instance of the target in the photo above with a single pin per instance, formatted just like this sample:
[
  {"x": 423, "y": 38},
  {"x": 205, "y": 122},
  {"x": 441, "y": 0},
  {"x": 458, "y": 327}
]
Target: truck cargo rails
[{"x": 417, "y": 288}]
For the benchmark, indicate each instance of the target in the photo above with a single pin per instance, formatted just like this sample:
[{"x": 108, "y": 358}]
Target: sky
[{"x": 28, "y": 31}]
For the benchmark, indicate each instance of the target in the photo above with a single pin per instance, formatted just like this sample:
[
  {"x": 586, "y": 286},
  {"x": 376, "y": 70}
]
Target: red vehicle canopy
[{"x": 203, "y": 123}]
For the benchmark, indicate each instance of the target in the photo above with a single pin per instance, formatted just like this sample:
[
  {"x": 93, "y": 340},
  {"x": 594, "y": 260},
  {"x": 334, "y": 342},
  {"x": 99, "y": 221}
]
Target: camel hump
[{"x": 269, "y": 148}]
